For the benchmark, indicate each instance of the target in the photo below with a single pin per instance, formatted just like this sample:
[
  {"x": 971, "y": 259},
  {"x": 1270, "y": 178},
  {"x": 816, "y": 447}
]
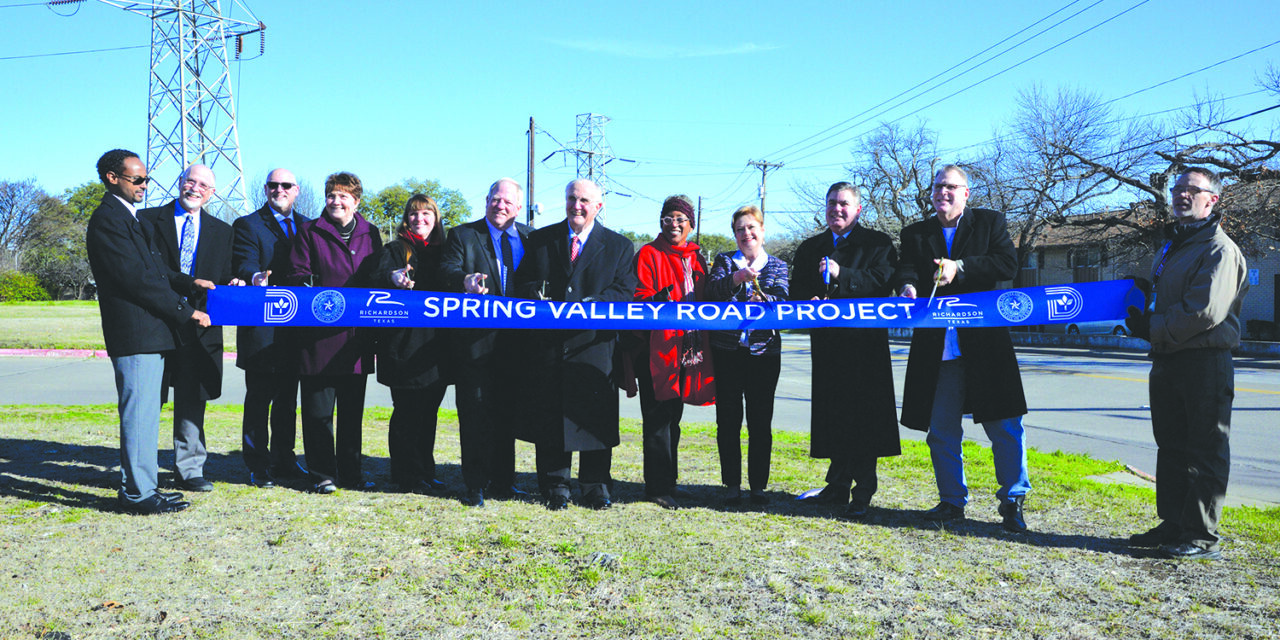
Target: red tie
[
  {"x": 288, "y": 228},
  {"x": 575, "y": 248}
]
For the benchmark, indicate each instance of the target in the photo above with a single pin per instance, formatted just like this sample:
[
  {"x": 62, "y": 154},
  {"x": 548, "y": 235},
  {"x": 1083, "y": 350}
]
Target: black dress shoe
[
  {"x": 557, "y": 502},
  {"x": 197, "y": 484},
  {"x": 173, "y": 496},
  {"x": 1011, "y": 514},
  {"x": 666, "y": 502},
  {"x": 261, "y": 479},
  {"x": 1188, "y": 551},
  {"x": 601, "y": 503},
  {"x": 153, "y": 505},
  {"x": 829, "y": 495},
  {"x": 324, "y": 488},
  {"x": 857, "y": 510},
  {"x": 289, "y": 471},
  {"x": 943, "y": 512},
  {"x": 1161, "y": 534},
  {"x": 733, "y": 497},
  {"x": 473, "y": 498},
  {"x": 759, "y": 498}
]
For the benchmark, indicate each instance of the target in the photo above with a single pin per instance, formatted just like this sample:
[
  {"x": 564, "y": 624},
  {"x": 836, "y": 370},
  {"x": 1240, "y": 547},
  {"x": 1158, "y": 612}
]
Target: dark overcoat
[
  {"x": 993, "y": 384},
  {"x": 488, "y": 361},
  {"x": 853, "y": 408},
  {"x": 259, "y": 244},
  {"x": 572, "y": 371},
  {"x": 320, "y": 258},
  {"x": 140, "y": 310},
  {"x": 201, "y": 345},
  {"x": 411, "y": 357}
]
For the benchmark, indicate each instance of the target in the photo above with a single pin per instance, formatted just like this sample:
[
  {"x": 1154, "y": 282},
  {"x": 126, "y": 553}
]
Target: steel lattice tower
[
  {"x": 591, "y": 149},
  {"x": 191, "y": 113}
]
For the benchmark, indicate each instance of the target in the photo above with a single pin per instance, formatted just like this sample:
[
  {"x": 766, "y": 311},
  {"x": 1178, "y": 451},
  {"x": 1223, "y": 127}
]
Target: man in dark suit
[
  {"x": 482, "y": 257},
  {"x": 961, "y": 370},
  {"x": 141, "y": 315},
  {"x": 193, "y": 244},
  {"x": 260, "y": 256},
  {"x": 575, "y": 401},
  {"x": 853, "y": 420}
]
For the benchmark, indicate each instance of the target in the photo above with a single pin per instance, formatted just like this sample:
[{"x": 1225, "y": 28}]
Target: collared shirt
[
  {"x": 517, "y": 248},
  {"x": 280, "y": 218},
  {"x": 836, "y": 237},
  {"x": 133, "y": 210},
  {"x": 180, "y": 217},
  {"x": 582, "y": 237}
]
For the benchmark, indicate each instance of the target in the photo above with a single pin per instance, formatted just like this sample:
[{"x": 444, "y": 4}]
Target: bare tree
[{"x": 19, "y": 203}]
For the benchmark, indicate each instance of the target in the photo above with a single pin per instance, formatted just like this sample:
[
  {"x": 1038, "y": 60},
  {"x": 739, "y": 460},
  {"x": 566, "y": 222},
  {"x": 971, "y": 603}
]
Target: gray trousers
[
  {"x": 189, "y": 452},
  {"x": 138, "y": 380}
]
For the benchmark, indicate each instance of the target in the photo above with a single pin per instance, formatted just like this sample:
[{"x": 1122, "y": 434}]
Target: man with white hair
[{"x": 195, "y": 245}]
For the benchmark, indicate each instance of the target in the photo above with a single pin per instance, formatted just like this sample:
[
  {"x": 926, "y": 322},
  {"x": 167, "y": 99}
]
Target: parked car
[{"x": 1113, "y": 327}]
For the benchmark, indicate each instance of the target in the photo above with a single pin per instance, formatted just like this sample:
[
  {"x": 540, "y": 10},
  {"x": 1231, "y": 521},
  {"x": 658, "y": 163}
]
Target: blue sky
[{"x": 392, "y": 90}]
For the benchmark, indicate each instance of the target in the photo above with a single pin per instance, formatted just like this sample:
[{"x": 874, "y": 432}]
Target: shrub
[{"x": 16, "y": 286}]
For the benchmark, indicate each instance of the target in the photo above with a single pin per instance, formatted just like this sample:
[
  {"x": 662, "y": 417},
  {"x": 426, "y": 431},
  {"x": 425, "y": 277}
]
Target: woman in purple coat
[{"x": 335, "y": 250}]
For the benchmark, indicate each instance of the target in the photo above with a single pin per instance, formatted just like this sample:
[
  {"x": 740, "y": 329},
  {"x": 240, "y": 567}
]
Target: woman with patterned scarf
[
  {"x": 675, "y": 369},
  {"x": 412, "y": 361}
]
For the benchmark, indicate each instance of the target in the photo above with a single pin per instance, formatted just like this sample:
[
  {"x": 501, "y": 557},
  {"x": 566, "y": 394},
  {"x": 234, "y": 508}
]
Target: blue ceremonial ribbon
[{"x": 354, "y": 307}]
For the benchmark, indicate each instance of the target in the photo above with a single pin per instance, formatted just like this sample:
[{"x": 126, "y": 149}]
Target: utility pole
[
  {"x": 191, "y": 112},
  {"x": 697, "y": 238},
  {"x": 528, "y": 191},
  {"x": 764, "y": 168}
]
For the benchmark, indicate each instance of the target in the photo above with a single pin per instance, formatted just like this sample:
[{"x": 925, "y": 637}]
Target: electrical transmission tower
[
  {"x": 191, "y": 112},
  {"x": 591, "y": 149}
]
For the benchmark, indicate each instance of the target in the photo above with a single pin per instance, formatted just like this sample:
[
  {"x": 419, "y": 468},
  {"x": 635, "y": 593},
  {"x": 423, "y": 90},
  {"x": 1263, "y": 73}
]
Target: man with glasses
[
  {"x": 1192, "y": 321},
  {"x": 194, "y": 244},
  {"x": 141, "y": 316},
  {"x": 481, "y": 257},
  {"x": 260, "y": 256},
  {"x": 961, "y": 370},
  {"x": 853, "y": 419}
]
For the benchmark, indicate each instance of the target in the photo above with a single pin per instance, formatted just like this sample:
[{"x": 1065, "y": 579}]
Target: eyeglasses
[
  {"x": 1189, "y": 190},
  {"x": 675, "y": 221},
  {"x": 943, "y": 186},
  {"x": 136, "y": 181},
  {"x": 196, "y": 185},
  {"x": 280, "y": 185}
]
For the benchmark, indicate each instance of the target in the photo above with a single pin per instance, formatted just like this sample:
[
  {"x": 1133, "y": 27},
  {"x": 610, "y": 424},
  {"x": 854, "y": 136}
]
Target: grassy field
[
  {"x": 280, "y": 563},
  {"x": 65, "y": 324}
]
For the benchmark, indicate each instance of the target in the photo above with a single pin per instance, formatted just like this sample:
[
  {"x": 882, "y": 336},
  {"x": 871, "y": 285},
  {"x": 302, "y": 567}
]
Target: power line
[
  {"x": 947, "y": 70},
  {"x": 73, "y": 53},
  {"x": 979, "y": 82}
]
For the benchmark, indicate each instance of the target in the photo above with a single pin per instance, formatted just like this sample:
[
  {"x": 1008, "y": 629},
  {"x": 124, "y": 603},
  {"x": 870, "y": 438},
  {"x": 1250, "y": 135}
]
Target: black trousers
[
  {"x": 661, "y": 426},
  {"x": 593, "y": 471},
  {"x": 742, "y": 377},
  {"x": 270, "y": 397},
  {"x": 329, "y": 458},
  {"x": 411, "y": 434},
  {"x": 858, "y": 473},
  {"x": 485, "y": 429},
  {"x": 1191, "y": 396}
]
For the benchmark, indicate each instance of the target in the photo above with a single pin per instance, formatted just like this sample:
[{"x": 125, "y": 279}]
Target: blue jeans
[
  {"x": 138, "y": 380},
  {"x": 1008, "y": 442}
]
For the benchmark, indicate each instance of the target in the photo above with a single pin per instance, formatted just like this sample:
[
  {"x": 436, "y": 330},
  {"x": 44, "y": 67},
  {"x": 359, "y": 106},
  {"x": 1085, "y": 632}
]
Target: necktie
[
  {"x": 508, "y": 263},
  {"x": 575, "y": 248},
  {"x": 288, "y": 228},
  {"x": 188, "y": 246}
]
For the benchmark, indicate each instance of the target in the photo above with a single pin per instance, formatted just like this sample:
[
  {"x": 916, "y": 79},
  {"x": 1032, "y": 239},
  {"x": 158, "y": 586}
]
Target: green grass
[
  {"x": 249, "y": 563},
  {"x": 62, "y": 324}
]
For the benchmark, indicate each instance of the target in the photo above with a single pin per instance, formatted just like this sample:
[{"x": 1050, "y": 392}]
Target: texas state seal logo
[
  {"x": 1015, "y": 306},
  {"x": 328, "y": 306}
]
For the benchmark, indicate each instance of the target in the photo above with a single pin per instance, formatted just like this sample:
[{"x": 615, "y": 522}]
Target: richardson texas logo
[
  {"x": 280, "y": 307},
  {"x": 1015, "y": 306},
  {"x": 1064, "y": 303},
  {"x": 381, "y": 308},
  {"x": 328, "y": 306},
  {"x": 955, "y": 312}
]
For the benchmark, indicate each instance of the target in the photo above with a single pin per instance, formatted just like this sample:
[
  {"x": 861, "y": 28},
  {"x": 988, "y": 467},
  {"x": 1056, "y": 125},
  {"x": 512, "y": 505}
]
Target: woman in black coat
[{"x": 412, "y": 361}]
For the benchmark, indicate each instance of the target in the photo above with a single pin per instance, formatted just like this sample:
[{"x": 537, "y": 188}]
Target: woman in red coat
[
  {"x": 670, "y": 370},
  {"x": 334, "y": 250}
]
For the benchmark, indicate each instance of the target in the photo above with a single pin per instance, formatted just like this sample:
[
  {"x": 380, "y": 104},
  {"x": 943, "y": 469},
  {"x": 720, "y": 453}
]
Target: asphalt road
[{"x": 1082, "y": 401}]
